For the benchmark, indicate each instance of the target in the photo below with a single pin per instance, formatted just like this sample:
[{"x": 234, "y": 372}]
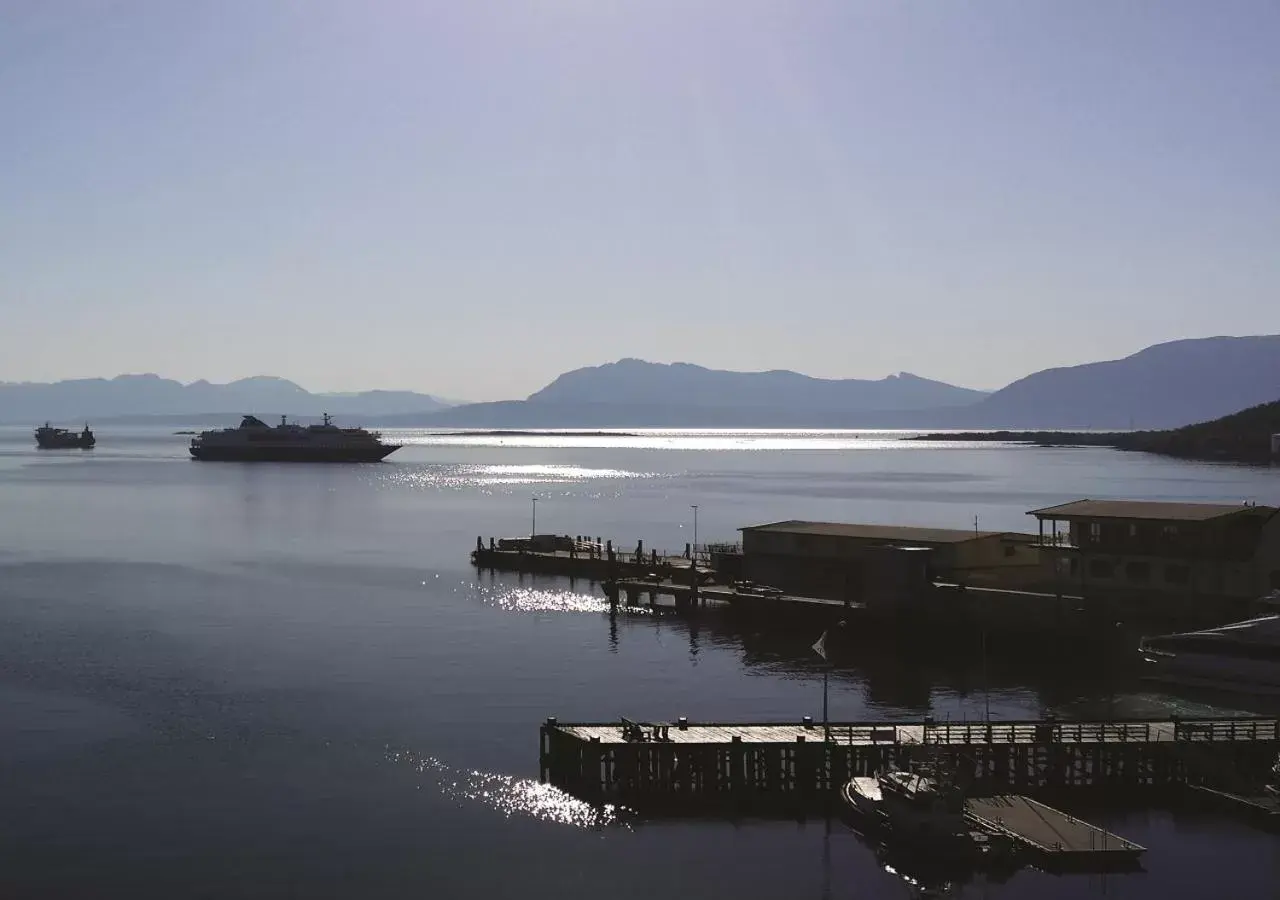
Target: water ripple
[{"x": 511, "y": 796}]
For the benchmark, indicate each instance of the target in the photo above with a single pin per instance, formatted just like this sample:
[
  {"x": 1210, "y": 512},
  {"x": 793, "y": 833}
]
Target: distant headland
[{"x": 1243, "y": 437}]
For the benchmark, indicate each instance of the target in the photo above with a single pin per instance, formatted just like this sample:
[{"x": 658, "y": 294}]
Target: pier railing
[{"x": 640, "y": 763}]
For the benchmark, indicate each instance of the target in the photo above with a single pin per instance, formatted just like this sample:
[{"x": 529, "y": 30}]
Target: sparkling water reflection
[
  {"x": 529, "y": 599},
  {"x": 510, "y": 795}
]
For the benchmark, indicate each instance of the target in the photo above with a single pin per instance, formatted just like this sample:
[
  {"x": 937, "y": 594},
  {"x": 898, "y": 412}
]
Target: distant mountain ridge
[
  {"x": 150, "y": 395},
  {"x": 1163, "y": 386},
  {"x": 634, "y": 382}
]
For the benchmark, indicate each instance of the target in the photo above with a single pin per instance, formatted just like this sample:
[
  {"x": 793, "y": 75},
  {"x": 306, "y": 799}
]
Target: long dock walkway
[
  {"x": 687, "y": 764},
  {"x": 1058, "y": 839},
  {"x": 589, "y": 560}
]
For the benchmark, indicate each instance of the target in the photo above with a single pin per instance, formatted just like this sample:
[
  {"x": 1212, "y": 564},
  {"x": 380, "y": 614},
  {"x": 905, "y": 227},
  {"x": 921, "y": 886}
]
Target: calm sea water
[{"x": 221, "y": 680}]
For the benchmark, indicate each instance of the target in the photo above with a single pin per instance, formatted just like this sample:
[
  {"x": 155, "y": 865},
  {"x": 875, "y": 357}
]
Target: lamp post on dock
[
  {"x": 693, "y": 556},
  {"x": 533, "y": 526}
]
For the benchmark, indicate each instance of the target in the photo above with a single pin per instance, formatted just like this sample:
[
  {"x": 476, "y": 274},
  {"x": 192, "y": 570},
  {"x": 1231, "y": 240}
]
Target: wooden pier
[
  {"x": 585, "y": 558},
  {"x": 1057, "y": 840},
  {"x": 641, "y": 576},
  {"x": 682, "y": 765}
]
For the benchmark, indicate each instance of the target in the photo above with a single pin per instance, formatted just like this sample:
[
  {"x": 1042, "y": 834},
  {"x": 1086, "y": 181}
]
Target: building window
[
  {"x": 1137, "y": 571},
  {"x": 1010, "y": 550},
  {"x": 1095, "y": 532},
  {"x": 1101, "y": 568},
  {"x": 1169, "y": 532},
  {"x": 1177, "y": 574},
  {"x": 1133, "y": 529}
]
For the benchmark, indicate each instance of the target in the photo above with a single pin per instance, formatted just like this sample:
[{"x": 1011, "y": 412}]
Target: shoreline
[
  {"x": 518, "y": 432},
  {"x": 1161, "y": 443}
]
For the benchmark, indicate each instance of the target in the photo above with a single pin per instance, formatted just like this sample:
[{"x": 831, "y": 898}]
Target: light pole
[
  {"x": 694, "y": 554},
  {"x": 533, "y": 527}
]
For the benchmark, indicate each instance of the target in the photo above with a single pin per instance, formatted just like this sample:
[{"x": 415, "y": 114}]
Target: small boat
[
  {"x": 50, "y": 438},
  {"x": 1242, "y": 657},
  {"x": 921, "y": 810}
]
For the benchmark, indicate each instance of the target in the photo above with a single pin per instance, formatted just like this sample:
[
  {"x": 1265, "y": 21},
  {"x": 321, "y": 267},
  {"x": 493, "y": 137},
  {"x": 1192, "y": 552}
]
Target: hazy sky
[{"x": 468, "y": 197}]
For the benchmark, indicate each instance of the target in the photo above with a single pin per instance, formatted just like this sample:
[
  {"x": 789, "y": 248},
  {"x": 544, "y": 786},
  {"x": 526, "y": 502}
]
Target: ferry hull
[
  {"x": 61, "y": 439},
  {"x": 73, "y": 443},
  {"x": 374, "y": 453}
]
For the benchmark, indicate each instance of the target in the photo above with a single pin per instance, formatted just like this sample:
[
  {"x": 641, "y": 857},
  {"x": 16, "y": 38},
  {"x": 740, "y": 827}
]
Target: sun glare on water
[{"x": 509, "y": 795}]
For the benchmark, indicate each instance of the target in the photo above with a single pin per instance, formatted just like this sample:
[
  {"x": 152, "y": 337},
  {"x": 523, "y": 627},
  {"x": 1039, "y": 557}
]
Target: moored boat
[
  {"x": 50, "y": 438},
  {"x": 1242, "y": 657},
  {"x": 913, "y": 809}
]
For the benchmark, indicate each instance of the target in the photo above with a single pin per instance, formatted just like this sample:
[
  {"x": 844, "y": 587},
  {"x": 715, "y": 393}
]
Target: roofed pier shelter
[
  {"x": 890, "y": 563},
  {"x": 1190, "y": 560}
]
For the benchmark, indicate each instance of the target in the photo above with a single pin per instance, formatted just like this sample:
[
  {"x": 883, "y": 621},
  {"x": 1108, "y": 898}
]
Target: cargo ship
[
  {"x": 50, "y": 438},
  {"x": 256, "y": 441}
]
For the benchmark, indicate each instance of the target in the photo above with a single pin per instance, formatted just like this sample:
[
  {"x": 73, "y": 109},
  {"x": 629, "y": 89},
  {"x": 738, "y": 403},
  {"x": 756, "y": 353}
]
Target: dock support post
[
  {"x": 693, "y": 583},
  {"x": 547, "y": 745}
]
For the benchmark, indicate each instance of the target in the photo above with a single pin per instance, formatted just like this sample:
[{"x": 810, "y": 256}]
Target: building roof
[
  {"x": 1151, "y": 510},
  {"x": 906, "y": 533}
]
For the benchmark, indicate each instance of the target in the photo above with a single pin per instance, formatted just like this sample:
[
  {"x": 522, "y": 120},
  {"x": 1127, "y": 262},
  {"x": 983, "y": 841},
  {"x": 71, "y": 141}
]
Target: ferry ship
[
  {"x": 256, "y": 441},
  {"x": 50, "y": 438}
]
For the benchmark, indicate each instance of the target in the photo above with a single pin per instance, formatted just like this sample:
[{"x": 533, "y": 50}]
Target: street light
[
  {"x": 694, "y": 554},
  {"x": 533, "y": 528}
]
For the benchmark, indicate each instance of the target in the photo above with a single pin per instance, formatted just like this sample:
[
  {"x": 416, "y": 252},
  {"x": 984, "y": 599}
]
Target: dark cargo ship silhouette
[
  {"x": 50, "y": 438},
  {"x": 256, "y": 441}
]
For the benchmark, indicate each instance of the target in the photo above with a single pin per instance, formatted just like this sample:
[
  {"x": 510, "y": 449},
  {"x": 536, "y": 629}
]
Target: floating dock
[
  {"x": 1056, "y": 839},
  {"x": 685, "y": 595},
  {"x": 682, "y": 765}
]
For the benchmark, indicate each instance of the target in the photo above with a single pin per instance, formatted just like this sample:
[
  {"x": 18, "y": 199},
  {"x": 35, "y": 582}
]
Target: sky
[{"x": 468, "y": 198}]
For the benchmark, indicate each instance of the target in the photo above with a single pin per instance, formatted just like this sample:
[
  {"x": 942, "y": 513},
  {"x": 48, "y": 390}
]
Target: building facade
[
  {"x": 1176, "y": 553},
  {"x": 871, "y": 563}
]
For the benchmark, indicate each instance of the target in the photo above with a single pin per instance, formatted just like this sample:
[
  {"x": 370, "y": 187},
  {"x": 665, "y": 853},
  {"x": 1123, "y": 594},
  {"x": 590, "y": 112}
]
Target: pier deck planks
[
  {"x": 791, "y": 762},
  {"x": 951, "y": 734},
  {"x": 1047, "y": 830}
]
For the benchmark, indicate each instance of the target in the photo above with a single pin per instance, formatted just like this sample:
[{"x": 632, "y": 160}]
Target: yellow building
[{"x": 849, "y": 561}]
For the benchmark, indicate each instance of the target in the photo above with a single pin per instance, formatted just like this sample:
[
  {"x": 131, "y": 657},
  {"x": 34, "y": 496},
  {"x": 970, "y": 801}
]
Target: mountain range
[
  {"x": 634, "y": 382},
  {"x": 1164, "y": 386},
  {"x": 147, "y": 396}
]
